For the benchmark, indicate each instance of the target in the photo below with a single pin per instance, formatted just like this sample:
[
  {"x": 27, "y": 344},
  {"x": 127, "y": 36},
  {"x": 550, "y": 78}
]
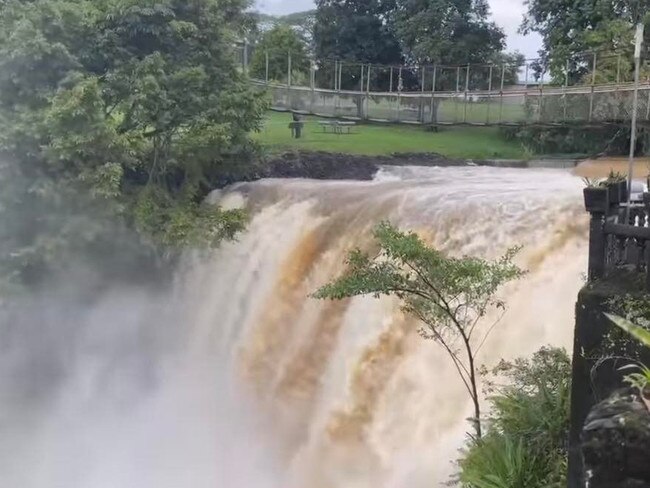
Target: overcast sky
[{"x": 506, "y": 13}]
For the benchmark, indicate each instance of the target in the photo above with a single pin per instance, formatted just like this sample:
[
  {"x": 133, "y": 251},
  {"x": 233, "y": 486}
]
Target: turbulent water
[{"x": 237, "y": 379}]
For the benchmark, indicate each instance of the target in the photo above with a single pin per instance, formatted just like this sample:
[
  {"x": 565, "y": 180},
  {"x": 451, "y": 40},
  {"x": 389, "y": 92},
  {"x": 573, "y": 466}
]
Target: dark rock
[
  {"x": 595, "y": 379},
  {"x": 616, "y": 443},
  {"x": 322, "y": 165},
  {"x": 338, "y": 166}
]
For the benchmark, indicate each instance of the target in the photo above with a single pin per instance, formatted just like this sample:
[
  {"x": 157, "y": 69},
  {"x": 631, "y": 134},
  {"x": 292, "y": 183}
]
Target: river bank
[{"x": 321, "y": 165}]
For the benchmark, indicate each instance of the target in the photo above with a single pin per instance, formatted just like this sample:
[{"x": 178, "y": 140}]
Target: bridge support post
[
  {"x": 564, "y": 89},
  {"x": 487, "y": 118},
  {"x": 399, "y": 95},
  {"x": 466, "y": 96},
  {"x": 593, "y": 85},
  {"x": 526, "y": 91},
  {"x": 540, "y": 115},
  {"x": 457, "y": 92},
  {"x": 368, "y": 91},
  {"x": 503, "y": 79},
  {"x": 289, "y": 69},
  {"x": 635, "y": 107},
  {"x": 312, "y": 85},
  {"x": 421, "y": 102},
  {"x": 361, "y": 107},
  {"x": 434, "y": 109}
]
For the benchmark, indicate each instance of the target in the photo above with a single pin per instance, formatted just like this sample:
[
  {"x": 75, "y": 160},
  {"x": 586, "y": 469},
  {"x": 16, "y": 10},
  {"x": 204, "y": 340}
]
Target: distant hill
[
  {"x": 302, "y": 22},
  {"x": 298, "y": 18}
]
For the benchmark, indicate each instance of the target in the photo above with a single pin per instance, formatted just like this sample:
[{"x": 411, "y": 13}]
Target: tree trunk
[{"x": 474, "y": 388}]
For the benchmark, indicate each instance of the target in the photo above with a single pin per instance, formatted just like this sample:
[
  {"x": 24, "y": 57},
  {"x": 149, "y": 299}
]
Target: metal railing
[
  {"x": 591, "y": 88},
  {"x": 515, "y": 106},
  {"x": 619, "y": 237}
]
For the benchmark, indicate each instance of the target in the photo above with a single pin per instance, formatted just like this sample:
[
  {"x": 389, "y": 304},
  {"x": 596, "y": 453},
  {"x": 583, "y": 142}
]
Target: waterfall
[{"x": 233, "y": 377}]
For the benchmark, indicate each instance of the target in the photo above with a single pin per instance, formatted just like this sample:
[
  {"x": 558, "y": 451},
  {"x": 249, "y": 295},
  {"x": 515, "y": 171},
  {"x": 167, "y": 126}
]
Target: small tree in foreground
[{"x": 450, "y": 296}]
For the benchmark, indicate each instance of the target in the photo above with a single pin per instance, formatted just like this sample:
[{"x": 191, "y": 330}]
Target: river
[{"x": 236, "y": 378}]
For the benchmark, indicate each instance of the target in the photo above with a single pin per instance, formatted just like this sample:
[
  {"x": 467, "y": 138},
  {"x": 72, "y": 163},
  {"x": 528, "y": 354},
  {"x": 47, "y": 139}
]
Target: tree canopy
[
  {"x": 447, "y": 31},
  {"x": 278, "y": 43},
  {"x": 572, "y": 30},
  {"x": 391, "y": 32},
  {"x": 129, "y": 109},
  {"x": 353, "y": 30}
]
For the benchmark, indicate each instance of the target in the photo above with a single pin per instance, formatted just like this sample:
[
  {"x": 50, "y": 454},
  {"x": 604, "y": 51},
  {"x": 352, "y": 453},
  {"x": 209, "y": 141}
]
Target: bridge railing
[
  {"x": 539, "y": 105},
  {"x": 589, "y": 87},
  {"x": 619, "y": 237}
]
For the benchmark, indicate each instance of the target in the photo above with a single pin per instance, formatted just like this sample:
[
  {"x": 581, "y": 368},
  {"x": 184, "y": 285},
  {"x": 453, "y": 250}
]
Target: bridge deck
[{"x": 541, "y": 105}]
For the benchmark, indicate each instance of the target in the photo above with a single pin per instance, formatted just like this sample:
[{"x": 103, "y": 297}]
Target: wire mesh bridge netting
[{"x": 597, "y": 88}]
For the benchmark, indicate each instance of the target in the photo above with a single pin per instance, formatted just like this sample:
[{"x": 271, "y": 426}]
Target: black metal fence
[{"x": 619, "y": 237}]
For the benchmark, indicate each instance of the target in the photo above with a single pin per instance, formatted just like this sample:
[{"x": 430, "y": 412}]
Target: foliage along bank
[{"x": 117, "y": 116}]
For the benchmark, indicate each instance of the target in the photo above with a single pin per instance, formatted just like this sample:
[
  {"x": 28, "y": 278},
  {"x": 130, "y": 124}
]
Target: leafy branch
[{"x": 451, "y": 297}]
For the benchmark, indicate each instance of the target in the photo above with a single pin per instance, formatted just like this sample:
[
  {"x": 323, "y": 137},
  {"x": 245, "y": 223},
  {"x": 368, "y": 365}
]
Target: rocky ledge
[
  {"x": 616, "y": 443},
  {"x": 337, "y": 166}
]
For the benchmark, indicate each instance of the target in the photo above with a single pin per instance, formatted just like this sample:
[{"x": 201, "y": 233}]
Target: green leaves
[
  {"x": 528, "y": 425},
  {"x": 110, "y": 102},
  {"x": 450, "y": 296},
  {"x": 573, "y": 29},
  {"x": 639, "y": 333},
  {"x": 277, "y": 43},
  {"x": 443, "y": 292},
  {"x": 448, "y": 31},
  {"x": 502, "y": 463},
  {"x": 355, "y": 30}
]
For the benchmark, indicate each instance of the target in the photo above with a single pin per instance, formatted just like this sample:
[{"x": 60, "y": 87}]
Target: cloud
[
  {"x": 506, "y": 13},
  {"x": 283, "y": 7}
]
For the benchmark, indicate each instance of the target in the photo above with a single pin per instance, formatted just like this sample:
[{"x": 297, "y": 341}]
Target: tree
[
  {"x": 511, "y": 63},
  {"x": 450, "y": 296},
  {"x": 117, "y": 110},
  {"x": 302, "y": 23},
  {"x": 359, "y": 31},
  {"x": 278, "y": 43},
  {"x": 571, "y": 29},
  {"x": 447, "y": 31}
]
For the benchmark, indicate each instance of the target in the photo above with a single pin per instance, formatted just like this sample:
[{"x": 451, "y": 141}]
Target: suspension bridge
[
  {"x": 457, "y": 95},
  {"x": 609, "y": 103}
]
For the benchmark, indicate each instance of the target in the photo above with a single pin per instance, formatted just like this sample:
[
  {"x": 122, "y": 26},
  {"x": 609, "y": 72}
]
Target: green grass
[
  {"x": 451, "y": 110},
  {"x": 456, "y": 142}
]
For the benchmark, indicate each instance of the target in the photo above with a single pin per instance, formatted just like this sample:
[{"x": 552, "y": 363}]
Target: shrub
[{"x": 527, "y": 429}]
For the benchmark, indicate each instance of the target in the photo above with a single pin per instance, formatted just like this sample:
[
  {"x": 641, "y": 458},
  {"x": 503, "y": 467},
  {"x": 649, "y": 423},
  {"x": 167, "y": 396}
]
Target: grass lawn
[{"x": 457, "y": 142}]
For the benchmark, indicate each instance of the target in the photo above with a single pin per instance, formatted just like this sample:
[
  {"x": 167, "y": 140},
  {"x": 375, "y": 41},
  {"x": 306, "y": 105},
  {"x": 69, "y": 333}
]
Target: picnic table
[{"x": 337, "y": 126}]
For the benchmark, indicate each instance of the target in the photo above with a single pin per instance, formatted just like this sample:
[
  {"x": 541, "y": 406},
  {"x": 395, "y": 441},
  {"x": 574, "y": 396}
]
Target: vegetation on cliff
[{"x": 117, "y": 114}]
